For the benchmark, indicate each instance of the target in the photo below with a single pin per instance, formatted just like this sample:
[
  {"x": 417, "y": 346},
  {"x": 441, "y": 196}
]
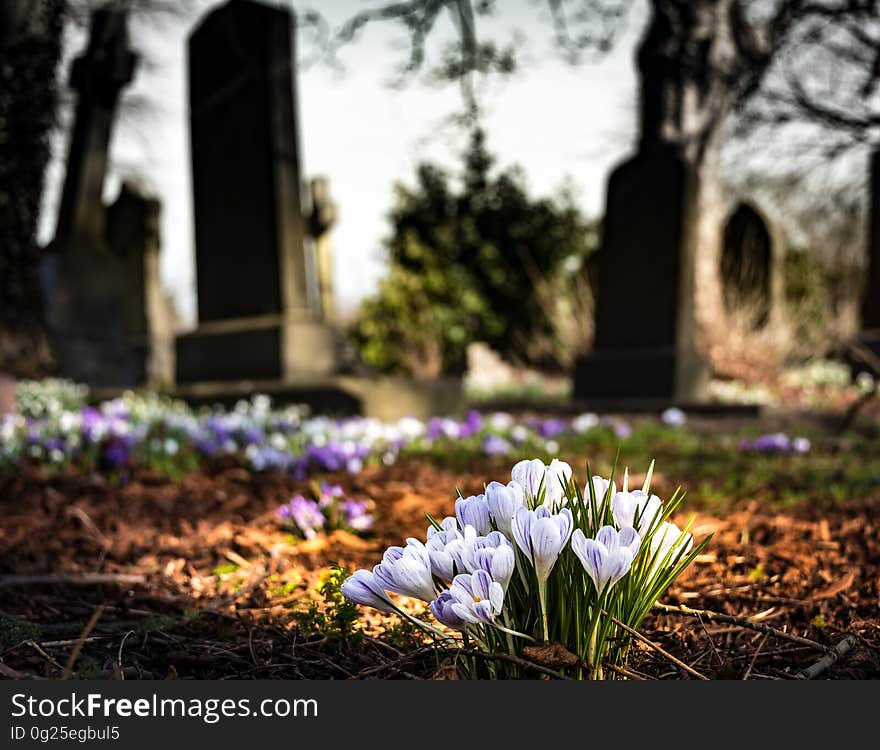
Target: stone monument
[
  {"x": 89, "y": 281},
  {"x": 255, "y": 317}
]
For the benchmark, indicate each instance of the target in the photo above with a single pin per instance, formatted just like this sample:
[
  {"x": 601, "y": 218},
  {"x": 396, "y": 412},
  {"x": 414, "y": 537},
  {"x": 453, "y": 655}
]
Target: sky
[{"x": 562, "y": 124}]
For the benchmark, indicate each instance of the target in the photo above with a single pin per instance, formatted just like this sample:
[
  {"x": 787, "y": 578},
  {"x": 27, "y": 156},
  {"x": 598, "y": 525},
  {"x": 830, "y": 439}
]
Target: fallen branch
[
  {"x": 84, "y": 579},
  {"x": 831, "y": 656},
  {"x": 743, "y": 622},
  {"x": 659, "y": 649}
]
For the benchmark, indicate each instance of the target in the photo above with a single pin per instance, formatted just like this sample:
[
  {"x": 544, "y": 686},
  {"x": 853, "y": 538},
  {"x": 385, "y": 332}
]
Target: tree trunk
[
  {"x": 30, "y": 47},
  {"x": 692, "y": 74}
]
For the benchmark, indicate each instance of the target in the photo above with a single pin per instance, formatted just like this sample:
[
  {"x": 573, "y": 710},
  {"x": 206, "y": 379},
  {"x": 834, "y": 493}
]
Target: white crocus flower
[
  {"x": 609, "y": 556},
  {"x": 636, "y": 509}
]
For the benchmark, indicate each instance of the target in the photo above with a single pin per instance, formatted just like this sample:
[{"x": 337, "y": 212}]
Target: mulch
[{"x": 196, "y": 578}]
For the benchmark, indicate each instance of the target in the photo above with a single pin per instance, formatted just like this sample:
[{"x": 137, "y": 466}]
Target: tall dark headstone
[
  {"x": 88, "y": 280},
  {"x": 643, "y": 345},
  {"x": 645, "y": 324},
  {"x": 256, "y": 320}
]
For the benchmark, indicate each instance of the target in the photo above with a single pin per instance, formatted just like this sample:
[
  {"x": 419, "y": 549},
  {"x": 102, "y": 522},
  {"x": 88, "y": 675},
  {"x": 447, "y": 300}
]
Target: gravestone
[
  {"x": 256, "y": 319},
  {"x": 751, "y": 271},
  {"x": 88, "y": 288},
  {"x": 133, "y": 222},
  {"x": 321, "y": 219},
  {"x": 644, "y": 320}
]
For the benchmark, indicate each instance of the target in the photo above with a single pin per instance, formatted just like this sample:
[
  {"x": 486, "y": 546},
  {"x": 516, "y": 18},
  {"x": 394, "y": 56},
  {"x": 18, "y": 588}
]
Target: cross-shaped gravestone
[
  {"x": 98, "y": 76},
  {"x": 92, "y": 284}
]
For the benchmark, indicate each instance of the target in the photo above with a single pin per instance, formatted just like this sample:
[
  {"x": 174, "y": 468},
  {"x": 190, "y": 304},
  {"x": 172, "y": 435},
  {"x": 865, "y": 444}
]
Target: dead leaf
[{"x": 552, "y": 655}]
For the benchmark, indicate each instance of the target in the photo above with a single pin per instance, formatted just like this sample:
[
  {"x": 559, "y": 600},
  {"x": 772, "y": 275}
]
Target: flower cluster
[
  {"x": 776, "y": 442},
  {"x": 332, "y": 509},
  {"x": 58, "y": 431},
  {"x": 538, "y": 559}
]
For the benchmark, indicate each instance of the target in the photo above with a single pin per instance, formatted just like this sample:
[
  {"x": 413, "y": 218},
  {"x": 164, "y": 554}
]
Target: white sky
[{"x": 560, "y": 123}]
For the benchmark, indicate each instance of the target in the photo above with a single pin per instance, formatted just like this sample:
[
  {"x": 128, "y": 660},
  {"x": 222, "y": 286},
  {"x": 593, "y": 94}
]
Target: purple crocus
[
  {"x": 355, "y": 515},
  {"x": 304, "y": 513},
  {"x": 551, "y": 428},
  {"x": 495, "y": 445}
]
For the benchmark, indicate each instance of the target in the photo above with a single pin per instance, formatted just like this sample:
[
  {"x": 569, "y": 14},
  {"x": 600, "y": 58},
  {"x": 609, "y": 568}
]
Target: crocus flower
[
  {"x": 476, "y": 598},
  {"x": 503, "y": 501},
  {"x": 498, "y": 560},
  {"x": 442, "y": 609},
  {"x": 495, "y": 445},
  {"x": 473, "y": 511},
  {"x": 541, "y": 535},
  {"x": 304, "y": 513},
  {"x": 362, "y": 587},
  {"x": 355, "y": 514},
  {"x": 669, "y": 537},
  {"x": 492, "y": 553},
  {"x": 407, "y": 571},
  {"x": 635, "y": 509},
  {"x": 800, "y": 445},
  {"x": 609, "y": 556},
  {"x": 673, "y": 417},
  {"x": 533, "y": 476},
  {"x": 584, "y": 422},
  {"x": 440, "y": 548},
  {"x": 600, "y": 488}
]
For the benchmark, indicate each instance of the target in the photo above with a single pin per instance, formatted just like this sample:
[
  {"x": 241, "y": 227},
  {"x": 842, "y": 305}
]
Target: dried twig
[
  {"x": 743, "y": 622},
  {"x": 755, "y": 656},
  {"x": 77, "y": 647},
  {"x": 623, "y": 671},
  {"x": 659, "y": 649},
  {"x": 255, "y": 581},
  {"x": 831, "y": 656},
  {"x": 119, "y": 655}
]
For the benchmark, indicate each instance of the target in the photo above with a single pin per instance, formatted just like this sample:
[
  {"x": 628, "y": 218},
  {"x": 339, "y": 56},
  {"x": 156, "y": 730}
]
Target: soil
[{"x": 196, "y": 578}]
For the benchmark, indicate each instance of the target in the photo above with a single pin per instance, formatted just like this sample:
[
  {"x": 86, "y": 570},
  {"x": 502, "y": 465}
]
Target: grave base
[
  {"x": 656, "y": 377},
  {"x": 263, "y": 348}
]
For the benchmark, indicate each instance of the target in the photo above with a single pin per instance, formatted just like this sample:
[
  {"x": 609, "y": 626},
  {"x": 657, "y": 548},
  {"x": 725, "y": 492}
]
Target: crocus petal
[
  {"x": 528, "y": 474},
  {"x": 503, "y": 562},
  {"x": 546, "y": 545},
  {"x": 521, "y": 529},
  {"x": 362, "y": 587}
]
